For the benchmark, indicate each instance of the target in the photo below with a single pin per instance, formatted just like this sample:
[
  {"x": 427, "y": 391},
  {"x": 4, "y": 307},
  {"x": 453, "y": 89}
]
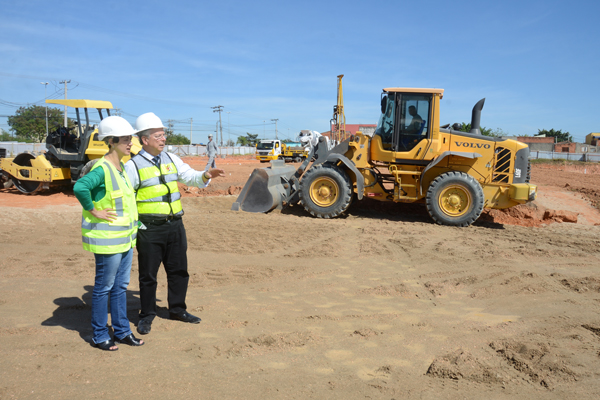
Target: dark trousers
[{"x": 164, "y": 243}]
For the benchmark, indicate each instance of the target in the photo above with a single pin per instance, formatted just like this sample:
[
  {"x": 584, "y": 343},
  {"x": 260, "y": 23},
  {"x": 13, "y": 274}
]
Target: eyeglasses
[
  {"x": 121, "y": 139},
  {"x": 158, "y": 137}
]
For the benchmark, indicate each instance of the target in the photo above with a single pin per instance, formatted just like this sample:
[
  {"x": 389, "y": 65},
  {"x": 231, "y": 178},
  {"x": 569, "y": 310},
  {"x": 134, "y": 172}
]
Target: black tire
[
  {"x": 87, "y": 167},
  {"x": 325, "y": 191},
  {"x": 454, "y": 199}
]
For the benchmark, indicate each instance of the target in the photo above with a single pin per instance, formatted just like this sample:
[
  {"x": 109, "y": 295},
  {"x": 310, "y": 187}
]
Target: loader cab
[{"x": 404, "y": 128}]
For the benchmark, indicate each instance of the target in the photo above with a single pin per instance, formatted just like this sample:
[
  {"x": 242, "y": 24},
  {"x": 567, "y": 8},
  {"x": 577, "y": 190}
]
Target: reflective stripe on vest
[
  {"x": 109, "y": 242},
  {"x": 117, "y": 236},
  {"x": 158, "y": 194}
]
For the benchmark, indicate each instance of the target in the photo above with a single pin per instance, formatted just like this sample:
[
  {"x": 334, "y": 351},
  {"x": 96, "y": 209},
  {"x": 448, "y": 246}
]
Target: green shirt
[{"x": 90, "y": 188}]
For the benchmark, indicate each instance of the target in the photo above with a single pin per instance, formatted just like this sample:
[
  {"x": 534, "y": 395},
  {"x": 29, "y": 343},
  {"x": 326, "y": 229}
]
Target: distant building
[
  {"x": 351, "y": 129},
  {"x": 593, "y": 139},
  {"x": 538, "y": 143},
  {"x": 565, "y": 147}
]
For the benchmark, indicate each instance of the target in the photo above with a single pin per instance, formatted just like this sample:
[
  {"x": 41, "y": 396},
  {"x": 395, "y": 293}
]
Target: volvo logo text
[{"x": 473, "y": 145}]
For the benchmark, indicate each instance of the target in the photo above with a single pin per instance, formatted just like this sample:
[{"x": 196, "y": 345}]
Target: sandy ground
[{"x": 380, "y": 304}]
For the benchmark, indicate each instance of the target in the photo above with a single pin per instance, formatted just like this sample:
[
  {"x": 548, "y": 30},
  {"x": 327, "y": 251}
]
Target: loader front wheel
[
  {"x": 454, "y": 199},
  {"x": 325, "y": 191}
]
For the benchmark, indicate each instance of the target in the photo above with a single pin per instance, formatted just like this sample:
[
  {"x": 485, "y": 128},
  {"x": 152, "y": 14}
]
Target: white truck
[{"x": 267, "y": 150}]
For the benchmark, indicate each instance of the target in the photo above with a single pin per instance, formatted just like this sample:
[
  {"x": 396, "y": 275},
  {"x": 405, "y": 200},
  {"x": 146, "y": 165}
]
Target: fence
[
  {"x": 189, "y": 150},
  {"x": 14, "y": 148},
  {"x": 551, "y": 155}
]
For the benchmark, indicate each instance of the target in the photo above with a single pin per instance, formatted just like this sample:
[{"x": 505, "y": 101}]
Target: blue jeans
[{"x": 112, "y": 278}]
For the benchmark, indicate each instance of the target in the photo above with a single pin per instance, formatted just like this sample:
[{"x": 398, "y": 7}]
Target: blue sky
[{"x": 537, "y": 63}]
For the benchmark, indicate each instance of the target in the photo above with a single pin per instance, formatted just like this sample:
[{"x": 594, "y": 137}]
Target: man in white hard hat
[
  {"x": 211, "y": 151},
  {"x": 154, "y": 174}
]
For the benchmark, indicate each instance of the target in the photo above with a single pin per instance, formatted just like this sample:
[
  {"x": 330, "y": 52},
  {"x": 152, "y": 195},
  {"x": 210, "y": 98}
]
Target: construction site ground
[{"x": 379, "y": 304}]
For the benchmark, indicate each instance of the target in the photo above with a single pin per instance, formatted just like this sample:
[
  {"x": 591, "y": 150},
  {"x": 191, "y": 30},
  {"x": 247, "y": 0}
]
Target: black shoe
[
  {"x": 130, "y": 340},
  {"x": 106, "y": 345},
  {"x": 144, "y": 326},
  {"x": 185, "y": 317}
]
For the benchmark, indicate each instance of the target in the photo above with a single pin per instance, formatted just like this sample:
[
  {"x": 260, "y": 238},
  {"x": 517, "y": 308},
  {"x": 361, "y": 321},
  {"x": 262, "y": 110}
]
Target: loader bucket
[{"x": 266, "y": 189}]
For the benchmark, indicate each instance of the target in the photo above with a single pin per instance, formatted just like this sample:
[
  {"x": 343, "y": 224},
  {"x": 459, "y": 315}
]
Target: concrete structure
[
  {"x": 538, "y": 143},
  {"x": 587, "y": 148}
]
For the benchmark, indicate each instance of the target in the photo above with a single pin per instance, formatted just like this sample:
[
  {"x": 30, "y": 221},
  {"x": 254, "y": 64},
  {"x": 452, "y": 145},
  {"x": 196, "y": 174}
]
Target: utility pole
[
  {"x": 217, "y": 132},
  {"x": 65, "y": 83},
  {"x": 45, "y": 97},
  {"x": 228, "y": 130},
  {"x": 170, "y": 125},
  {"x": 191, "y": 122},
  {"x": 219, "y": 109},
  {"x": 118, "y": 112},
  {"x": 276, "y": 119}
]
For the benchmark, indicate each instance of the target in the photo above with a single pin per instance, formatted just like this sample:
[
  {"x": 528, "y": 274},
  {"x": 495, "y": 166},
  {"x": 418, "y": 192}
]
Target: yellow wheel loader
[
  {"x": 410, "y": 158},
  {"x": 68, "y": 155}
]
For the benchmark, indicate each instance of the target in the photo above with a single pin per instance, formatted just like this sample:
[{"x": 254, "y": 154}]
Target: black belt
[{"x": 160, "y": 220}]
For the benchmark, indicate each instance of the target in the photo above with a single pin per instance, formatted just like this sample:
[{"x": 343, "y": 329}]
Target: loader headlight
[{"x": 532, "y": 192}]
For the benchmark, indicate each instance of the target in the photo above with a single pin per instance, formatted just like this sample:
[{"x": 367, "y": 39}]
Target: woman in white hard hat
[{"x": 109, "y": 230}]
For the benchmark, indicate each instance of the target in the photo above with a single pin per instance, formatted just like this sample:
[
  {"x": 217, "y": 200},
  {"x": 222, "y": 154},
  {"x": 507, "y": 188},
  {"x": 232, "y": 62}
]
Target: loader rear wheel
[
  {"x": 325, "y": 191},
  {"x": 455, "y": 199},
  {"x": 27, "y": 187}
]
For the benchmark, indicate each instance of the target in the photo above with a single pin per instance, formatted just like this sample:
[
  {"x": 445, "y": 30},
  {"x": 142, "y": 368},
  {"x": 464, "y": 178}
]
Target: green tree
[
  {"x": 169, "y": 130},
  {"x": 485, "y": 131},
  {"x": 559, "y": 135},
  {"x": 229, "y": 143},
  {"x": 29, "y": 123},
  {"x": 6, "y": 137},
  {"x": 252, "y": 139},
  {"x": 176, "y": 139},
  {"x": 248, "y": 140}
]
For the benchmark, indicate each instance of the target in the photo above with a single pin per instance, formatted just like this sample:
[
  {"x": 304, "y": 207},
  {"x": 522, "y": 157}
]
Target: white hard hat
[
  {"x": 148, "y": 121},
  {"x": 114, "y": 126},
  {"x": 210, "y": 135}
]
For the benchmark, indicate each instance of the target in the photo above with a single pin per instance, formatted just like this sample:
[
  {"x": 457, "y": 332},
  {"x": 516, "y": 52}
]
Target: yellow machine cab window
[{"x": 404, "y": 120}]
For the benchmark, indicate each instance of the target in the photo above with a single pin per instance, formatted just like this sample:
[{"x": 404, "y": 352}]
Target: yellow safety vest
[
  {"x": 103, "y": 237},
  {"x": 158, "y": 194}
]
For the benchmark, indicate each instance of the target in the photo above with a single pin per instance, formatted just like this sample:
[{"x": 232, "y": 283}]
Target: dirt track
[{"x": 379, "y": 304}]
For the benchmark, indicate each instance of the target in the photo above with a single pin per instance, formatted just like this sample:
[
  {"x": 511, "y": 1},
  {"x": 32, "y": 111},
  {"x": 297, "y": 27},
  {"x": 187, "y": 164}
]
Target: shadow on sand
[{"x": 75, "y": 314}]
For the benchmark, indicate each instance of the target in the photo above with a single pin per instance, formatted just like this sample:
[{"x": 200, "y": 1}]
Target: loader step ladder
[{"x": 400, "y": 186}]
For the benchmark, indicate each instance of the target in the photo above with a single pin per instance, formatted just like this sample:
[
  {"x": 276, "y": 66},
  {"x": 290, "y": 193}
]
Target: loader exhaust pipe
[{"x": 476, "y": 117}]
